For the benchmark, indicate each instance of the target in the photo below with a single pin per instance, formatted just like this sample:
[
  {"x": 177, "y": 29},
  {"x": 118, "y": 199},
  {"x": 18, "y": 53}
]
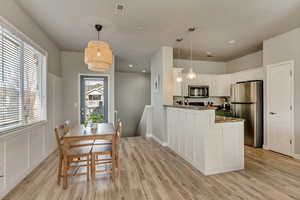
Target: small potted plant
[{"x": 95, "y": 119}]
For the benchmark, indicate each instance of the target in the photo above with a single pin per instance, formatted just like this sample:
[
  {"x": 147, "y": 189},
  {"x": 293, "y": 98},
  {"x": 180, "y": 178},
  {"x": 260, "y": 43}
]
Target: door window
[{"x": 93, "y": 99}]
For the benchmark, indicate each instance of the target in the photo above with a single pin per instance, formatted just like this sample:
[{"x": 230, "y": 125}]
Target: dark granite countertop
[
  {"x": 218, "y": 119},
  {"x": 191, "y": 107},
  {"x": 223, "y": 119}
]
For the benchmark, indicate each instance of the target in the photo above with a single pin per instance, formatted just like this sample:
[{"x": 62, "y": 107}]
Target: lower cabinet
[{"x": 211, "y": 148}]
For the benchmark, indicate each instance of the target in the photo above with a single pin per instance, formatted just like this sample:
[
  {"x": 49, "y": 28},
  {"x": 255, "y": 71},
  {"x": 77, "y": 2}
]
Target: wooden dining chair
[
  {"x": 118, "y": 142},
  {"x": 67, "y": 126},
  {"x": 71, "y": 158},
  {"x": 103, "y": 154}
]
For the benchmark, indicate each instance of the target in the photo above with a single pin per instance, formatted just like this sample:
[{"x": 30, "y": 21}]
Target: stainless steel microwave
[{"x": 198, "y": 91}]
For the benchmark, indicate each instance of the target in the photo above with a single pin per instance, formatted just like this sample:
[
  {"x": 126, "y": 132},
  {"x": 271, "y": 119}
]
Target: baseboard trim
[
  {"x": 296, "y": 156},
  {"x": 156, "y": 139},
  {"x": 266, "y": 147}
]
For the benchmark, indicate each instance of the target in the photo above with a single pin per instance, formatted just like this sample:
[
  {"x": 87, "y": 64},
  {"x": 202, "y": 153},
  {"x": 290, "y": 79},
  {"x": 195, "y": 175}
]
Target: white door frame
[
  {"x": 268, "y": 67},
  {"x": 108, "y": 98}
]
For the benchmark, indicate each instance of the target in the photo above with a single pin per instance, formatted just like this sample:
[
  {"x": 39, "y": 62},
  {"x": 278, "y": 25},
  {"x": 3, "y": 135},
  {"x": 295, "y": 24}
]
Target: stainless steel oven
[{"x": 198, "y": 91}]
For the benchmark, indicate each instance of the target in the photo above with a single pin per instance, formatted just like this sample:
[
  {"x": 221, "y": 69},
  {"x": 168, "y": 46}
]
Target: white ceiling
[{"x": 149, "y": 24}]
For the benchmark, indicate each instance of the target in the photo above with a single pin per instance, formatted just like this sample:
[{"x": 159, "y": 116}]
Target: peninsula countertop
[
  {"x": 191, "y": 107},
  {"x": 218, "y": 119},
  {"x": 223, "y": 119}
]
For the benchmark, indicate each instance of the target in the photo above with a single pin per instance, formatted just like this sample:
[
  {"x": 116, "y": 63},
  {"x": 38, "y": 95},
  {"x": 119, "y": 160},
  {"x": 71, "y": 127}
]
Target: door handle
[{"x": 272, "y": 113}]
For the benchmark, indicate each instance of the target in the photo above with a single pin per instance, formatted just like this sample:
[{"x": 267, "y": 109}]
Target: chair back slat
[
  {"x": 67, "y": 126},
  {"x": 59, "y": 134}
]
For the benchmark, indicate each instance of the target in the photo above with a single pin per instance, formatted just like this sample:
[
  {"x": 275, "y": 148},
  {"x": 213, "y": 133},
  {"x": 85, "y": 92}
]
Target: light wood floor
[{"x": 149, "y": 171}]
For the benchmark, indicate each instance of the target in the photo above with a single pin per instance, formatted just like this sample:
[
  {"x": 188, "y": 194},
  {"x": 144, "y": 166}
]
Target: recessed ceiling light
[
  {"x": 144, "y": 71},
  {"x": 231, "y": 42},
  {"x": 130, "y": 66}
]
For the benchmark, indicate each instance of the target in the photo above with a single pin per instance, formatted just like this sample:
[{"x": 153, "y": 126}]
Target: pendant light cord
[{"x": 191, "y": 44}]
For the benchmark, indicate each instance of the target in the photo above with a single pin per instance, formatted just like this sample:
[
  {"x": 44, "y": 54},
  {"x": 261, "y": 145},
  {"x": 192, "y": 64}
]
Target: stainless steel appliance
[
  {"x": 198, "y": 91},
  {"x": 247, "y": 103}
]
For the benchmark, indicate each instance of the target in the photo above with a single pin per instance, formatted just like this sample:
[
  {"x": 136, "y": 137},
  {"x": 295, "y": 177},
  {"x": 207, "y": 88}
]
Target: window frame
[{"x": 11, "y": 29}]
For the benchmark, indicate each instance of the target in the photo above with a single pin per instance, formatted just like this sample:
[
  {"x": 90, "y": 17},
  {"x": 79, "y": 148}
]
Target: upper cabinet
[
  {"x": 247, "y": 75},
  {"x": 220, "y": 85},
  {"x": 203, "y": 79}
]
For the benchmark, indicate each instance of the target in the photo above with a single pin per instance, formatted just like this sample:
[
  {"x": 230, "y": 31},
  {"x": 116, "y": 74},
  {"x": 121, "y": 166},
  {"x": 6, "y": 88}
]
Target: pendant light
[
  {"x": 179, "y": 78},
  {"x": 191, "y": 75},
  {"x": 98, "y": 55}
]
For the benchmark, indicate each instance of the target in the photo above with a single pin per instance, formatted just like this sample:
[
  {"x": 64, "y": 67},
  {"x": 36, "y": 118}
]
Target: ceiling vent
[{"x": 119, "y": 9}]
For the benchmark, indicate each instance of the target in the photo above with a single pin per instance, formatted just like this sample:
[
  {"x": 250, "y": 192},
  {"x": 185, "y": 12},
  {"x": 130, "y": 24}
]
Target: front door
[
  {"x": 93, "y": 99},
  {"x": 279, "y": 107}
]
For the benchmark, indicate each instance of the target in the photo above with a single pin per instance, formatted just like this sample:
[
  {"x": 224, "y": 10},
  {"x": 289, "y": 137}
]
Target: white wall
[
  {"x": 161, "y": 64},
  {"x": 286, "y": 47},
  {"x": 72, "y": 66},
  {"x": 21, "y": 151},
  {"x": 250, "y": 61},
  {"x": 203, "y": 67},
  {"x": 54, "y": 109},
  {"x": 17, "y": 17},
  {"x": 132, "y": 94}
]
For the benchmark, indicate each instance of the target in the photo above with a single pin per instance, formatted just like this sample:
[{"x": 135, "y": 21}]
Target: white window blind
[{"x": 20, "y": 82}]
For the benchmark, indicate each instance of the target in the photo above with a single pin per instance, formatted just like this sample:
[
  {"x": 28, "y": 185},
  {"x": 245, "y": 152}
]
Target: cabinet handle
[{"x": 1, "y": 176}]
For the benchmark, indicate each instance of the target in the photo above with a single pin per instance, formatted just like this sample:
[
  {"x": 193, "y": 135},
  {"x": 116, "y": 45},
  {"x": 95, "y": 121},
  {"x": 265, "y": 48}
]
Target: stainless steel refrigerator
[{"x": 247, "y": 103}]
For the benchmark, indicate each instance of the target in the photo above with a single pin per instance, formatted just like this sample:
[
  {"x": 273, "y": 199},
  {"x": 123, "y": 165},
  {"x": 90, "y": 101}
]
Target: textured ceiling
[{"x": 147, "y": 25}]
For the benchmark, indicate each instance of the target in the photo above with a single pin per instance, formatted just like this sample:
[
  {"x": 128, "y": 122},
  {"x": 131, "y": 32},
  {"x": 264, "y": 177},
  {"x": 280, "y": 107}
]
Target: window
[{"x": 20, "y": 82}]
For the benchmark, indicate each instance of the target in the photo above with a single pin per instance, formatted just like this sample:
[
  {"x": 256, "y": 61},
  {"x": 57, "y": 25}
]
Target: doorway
[
  {"x": 280, "y": 100},
  {"x": 93, "y": 99}
]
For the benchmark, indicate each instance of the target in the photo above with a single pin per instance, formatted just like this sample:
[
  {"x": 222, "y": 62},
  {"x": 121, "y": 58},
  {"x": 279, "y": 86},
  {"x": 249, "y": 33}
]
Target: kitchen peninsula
[{"x": 211, "y": 143}]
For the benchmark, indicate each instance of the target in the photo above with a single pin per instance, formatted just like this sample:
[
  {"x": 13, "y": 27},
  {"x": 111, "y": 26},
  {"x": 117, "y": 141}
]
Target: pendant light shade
[
  {"x": 191, "y": 75},
  {"x": 179, "y": 78},
  {"x": 98, "y": 55}
]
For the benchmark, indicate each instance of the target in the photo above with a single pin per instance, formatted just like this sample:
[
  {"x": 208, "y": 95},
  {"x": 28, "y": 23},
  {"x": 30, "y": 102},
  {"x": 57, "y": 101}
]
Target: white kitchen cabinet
[
  {"x": 210, "y": 147},
  {"x": 204, "y": 79},
  {"x": 177, "y": 86},
  {"x": 220, "y": 85},
  {"x": 247, "y": 75},
  {"x": 201, "y": 79}
]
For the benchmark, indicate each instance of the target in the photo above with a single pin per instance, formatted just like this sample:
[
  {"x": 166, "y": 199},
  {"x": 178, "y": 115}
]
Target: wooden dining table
[{"x": 104, "y": 131}]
